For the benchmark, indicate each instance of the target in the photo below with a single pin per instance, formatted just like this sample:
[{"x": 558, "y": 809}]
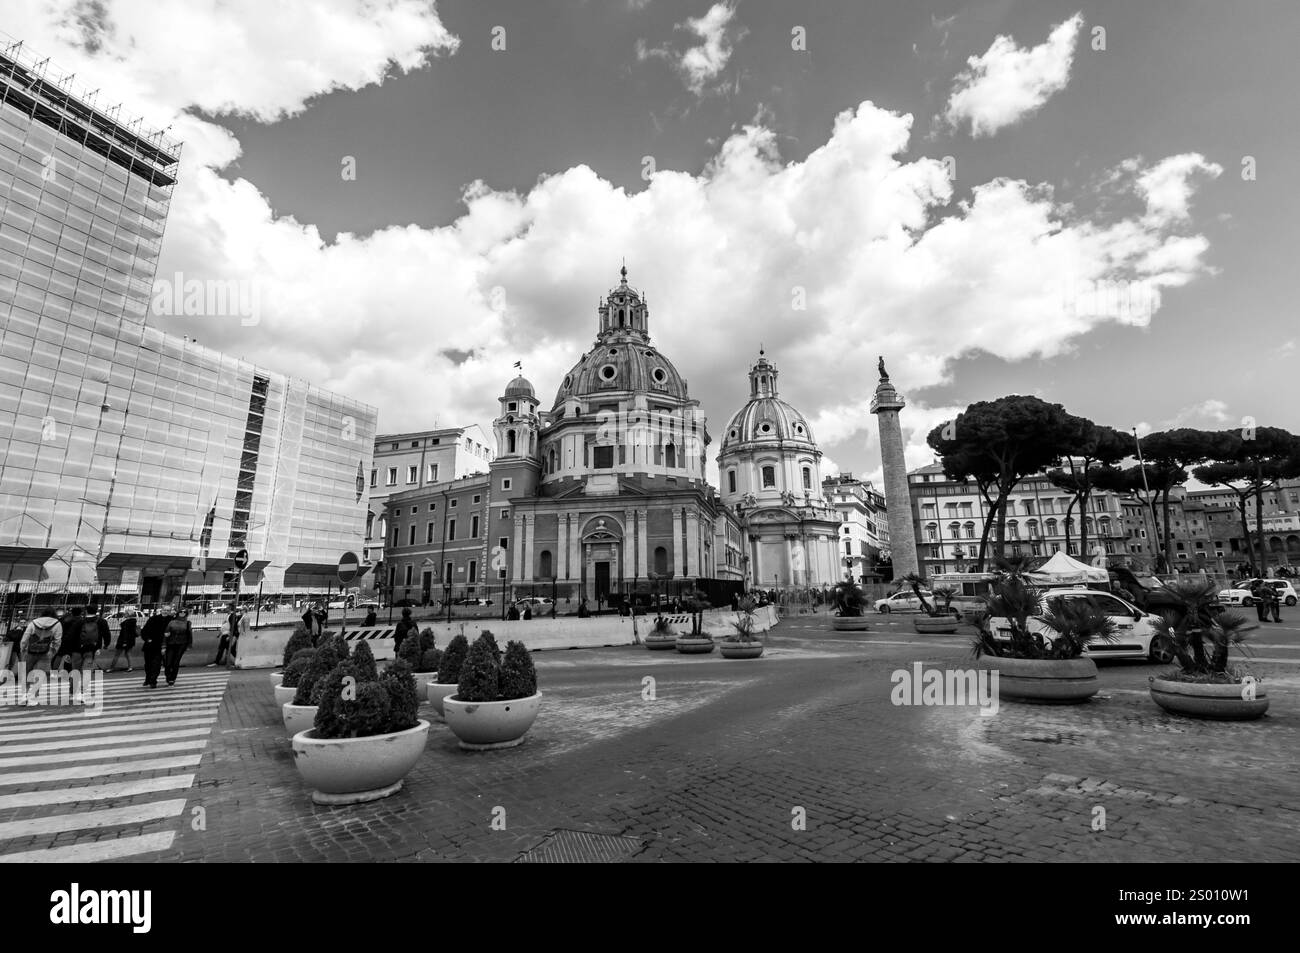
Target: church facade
[{"x": 770, "y": 468}]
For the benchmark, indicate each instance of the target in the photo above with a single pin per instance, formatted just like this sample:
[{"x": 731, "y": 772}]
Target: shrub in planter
[
  {"x": 427, "y": 640},
  {"x": 480, "y": 678},
  {"x": 294, "y": 671},
  {"x": 350, "y": 706},
  {"x": 743, "y": 644},
  {"x": 430, "y": 660},
  {"x": 403, "y": 697},
  {"x": 419, "y": 653},
  {"x": 453, "y": 660},
  {"x": 696, "y": 602},
  {"x": 518, "y": 674},
  {"x": 364, "y": 659},
  {"x": 849, "y": 599},
  {"x": 300, "y": 639},
  {"x": 1200, "y": 635},
  {"x": 321, "y": 664},
  {"x": 302, "y": 654}
]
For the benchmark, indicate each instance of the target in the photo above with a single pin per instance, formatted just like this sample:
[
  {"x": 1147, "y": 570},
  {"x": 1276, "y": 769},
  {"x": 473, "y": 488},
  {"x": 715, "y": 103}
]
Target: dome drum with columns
[{"x": 769, "y": 465}]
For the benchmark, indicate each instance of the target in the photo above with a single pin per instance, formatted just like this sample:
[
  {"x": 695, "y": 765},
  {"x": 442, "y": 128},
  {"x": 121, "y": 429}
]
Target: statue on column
[{"x": 880, "y": 365}]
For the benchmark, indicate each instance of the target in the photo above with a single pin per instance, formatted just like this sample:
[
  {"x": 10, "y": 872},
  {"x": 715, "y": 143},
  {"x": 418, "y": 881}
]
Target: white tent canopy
[{"x": 1064, "y": 570}]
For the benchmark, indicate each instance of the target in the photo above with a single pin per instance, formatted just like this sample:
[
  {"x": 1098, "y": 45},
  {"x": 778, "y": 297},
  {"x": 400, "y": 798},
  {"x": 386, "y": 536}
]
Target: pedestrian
[
  {"x": 80, "y": 655},
  {"x": 229, "y": 632},
  {"x": 528, "y": 611},
  {"x": 180, "y": 636},
  {"x": 1273, "y": 602},
  {"x": 152, "y": 635},
  {"x": 41, "y": 641},
  {"x": 126, "y": 636},
  {"x": 405, "y": 626},
  {"x": 371, "y": 619},
  {"x": 1261, "y": 603},
  {"x": 583, "y": 611},
  {"x": 13, "y": 639},
  {"x": 71, "y": 642},
  {"x": 512, "y": 614},
  {"x": 240, "y": 630}
]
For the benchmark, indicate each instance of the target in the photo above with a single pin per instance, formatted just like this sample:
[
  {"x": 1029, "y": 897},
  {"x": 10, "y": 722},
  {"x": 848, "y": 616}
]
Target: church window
[
  {"x": 807, "y": 478},
  {"x": 769, "y": 477},
  {"x": 765, "y": 428},
  {"x": 602, "y": 458},
  {"x": 621, "y": 316},
  {"x": 731, "y": 481},
  {"x": 613, "y": 352},
  {"x": 510, "y": 441},
  {"x": 670, "y": 456},
  {"x": 608, "y": 372},
  {"x": 661, "y": 561},
  {"x": 544, "y": 564},
  {"x": 513, "y": 405}
]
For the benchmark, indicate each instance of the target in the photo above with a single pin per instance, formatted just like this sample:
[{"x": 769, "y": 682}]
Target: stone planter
[
  {"x": 850, "y": 623},
  {"x": 740, "y": 649},
  {"x": 284, "y": 695},
  {"x": 298, "y": 717},
  {"x": 693, "y": 645},
  {"x": 352, "y": 770},
  {"x": 1198, "y": 700},
  {"x": 1044, "y": 681},
  {"x": 656, "y": 642},
  {"x": 481, "y": 726},
  {"x": 935, "y": 625},
  {"x": 437, "y": 692},
  {"x": 276, "y": 678},
  {"x": 422, "y": 680}
]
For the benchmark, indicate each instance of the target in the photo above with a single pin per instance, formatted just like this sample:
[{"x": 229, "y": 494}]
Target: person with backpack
[
  {"x": 152, "y": 635},
  {"x": 180, "y": 636},
  {"x": 72, "y": 623},
  {"x": 405, "y": 626},
  {"x": 41, "y": 641},
  {"x": 126, "y": 636}
]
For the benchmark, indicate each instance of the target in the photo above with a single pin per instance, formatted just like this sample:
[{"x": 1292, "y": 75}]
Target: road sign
[
  {"x": 241, "y": 559},
  {"x": 348, "y": 567}
]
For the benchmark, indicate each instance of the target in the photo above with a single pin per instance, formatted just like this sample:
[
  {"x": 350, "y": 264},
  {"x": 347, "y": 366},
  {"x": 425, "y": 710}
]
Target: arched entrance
[{"x": 602, "y": 558}]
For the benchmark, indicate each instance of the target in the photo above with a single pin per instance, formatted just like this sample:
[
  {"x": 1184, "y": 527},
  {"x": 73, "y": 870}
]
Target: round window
[
  {"x": 765, "y": 428},
  {"x": 608, "y": 372},
  {"x": 613, "y": 352},
  {"x": 659, "y": 374},
  {"x": 798, "y": 428},
  {"x": 733, "y": 435},
  {"x": 568, "y": 382}
]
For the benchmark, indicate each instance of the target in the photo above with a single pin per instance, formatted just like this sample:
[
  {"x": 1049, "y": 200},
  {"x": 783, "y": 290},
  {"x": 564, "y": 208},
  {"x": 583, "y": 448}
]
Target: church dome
[
  {"x": 520, "y": 387},
  {"x": 766, "y": 418},
  {"x": 623, "y": 358}
]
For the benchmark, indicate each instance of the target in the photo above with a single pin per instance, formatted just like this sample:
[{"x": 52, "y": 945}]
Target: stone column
[
  {"x": 627, "y": 553},
  {"x": 575, "y": 557},
  {"x": 642, "y": 542},
  {"x": 530, "y": 530},
  {"x": 517, "y": 544},
  {"x": 692, "y": 543},
  {"x": 675, "y": 550},
  {"x": 562, "y": 546},
  {"x": 902, "y": 538}
]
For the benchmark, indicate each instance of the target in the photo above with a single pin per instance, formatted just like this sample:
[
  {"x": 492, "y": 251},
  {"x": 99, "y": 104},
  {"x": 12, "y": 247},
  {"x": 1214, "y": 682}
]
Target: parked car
[
  {"x": 1135, "y": 629},
  {"x": 1240, "y": 595},
  {"x": 123, "y": 610},
  {"x": 904, "y": 601},
  {"x": 533, "y": 601},
  {"x": 468, "y": 601}
]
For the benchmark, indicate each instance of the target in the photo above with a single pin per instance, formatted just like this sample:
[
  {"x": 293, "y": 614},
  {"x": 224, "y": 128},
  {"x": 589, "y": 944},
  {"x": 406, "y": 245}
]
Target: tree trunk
[
  {"x": 1245, "y": 525},
  {"x": 1168, "y": 547},
  {"x": 984, "y": 533},
  {"x": 1083, "y": 525},
  {"x": 1069, "y": 511},
  {"x": 999, "y": 547},
  {"x": 1259, "y": 520}
]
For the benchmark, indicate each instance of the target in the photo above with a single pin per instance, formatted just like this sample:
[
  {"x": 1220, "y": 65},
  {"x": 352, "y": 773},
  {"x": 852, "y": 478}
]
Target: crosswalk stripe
[
  {"x": 89, "y": 717},
  {"x": 95, "y": 770},
  {"x": 96, "y": 851},
  {"x": 96, "y": 792},
  {"x": 63, "y": 757},
  {"x": 87, "y": 820},
  {"x": 99, "y": 727},
  {"x": 70, "y": 744}
]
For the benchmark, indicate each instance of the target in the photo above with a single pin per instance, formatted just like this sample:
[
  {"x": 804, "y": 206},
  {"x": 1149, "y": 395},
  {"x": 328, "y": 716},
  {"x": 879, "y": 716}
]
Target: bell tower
[{"x": 517, "y": 430}]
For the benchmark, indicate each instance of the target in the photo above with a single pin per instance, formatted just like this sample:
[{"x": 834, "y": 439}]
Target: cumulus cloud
[
  {"x": 855, "y": 251},
  {"x": 1167, "y": 186},
  {"x": 1007, "y": 82},
  {"x": 701, "y": 64}
]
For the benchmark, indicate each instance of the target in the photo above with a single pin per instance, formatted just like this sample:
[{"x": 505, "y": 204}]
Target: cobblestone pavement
[{"x": 728, "y": 757}]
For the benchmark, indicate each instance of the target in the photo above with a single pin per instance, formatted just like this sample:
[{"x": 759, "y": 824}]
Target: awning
[
  {"x": 28, "y": 556},
  {"x": 316, "y": 574},
  {"x": 142, "y": 562}
]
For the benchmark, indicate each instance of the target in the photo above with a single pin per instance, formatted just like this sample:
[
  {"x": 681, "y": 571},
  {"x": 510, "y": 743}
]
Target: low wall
[{"x": 264, "y": 648}]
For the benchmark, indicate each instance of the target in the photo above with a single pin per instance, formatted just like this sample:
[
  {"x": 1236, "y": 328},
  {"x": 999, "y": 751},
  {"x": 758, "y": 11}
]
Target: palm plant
[
  {"x": 696, "y": 602},
  {"x": 916, "y": 581},
  {"x": 943, "y": 600},
  {"x": 1013, "y": 598},
  {"x": 744, "y": 625},
  {"x": 848, "y": 598},
  {"x": 1199, "y": 634},
  {"x": 1077, "y": 625}
]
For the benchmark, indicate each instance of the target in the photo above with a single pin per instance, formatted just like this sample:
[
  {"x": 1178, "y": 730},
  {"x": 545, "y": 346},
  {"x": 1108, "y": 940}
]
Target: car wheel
[
  {"x": 884, "y": 609},
  {"x": 1248, "y": 601},
  {"x": 1290, "y": 600},
  {"x": 1162, "y": 650}
]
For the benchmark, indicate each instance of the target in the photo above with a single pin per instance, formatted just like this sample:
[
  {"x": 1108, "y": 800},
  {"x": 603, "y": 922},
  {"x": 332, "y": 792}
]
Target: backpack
[{"x": 41, "y": 640}]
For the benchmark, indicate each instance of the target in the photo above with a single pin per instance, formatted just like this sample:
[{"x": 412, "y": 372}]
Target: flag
[{"x": 519, "y": 364}]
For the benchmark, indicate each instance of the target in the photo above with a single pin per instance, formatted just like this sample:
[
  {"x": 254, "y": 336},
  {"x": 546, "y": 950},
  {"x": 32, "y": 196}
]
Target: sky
[{"x": 1091, "y": 202}]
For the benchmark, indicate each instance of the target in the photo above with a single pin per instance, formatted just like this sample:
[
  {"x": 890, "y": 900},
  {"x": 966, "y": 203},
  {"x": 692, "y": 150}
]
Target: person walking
[
  {"x": 180, "y": 636},
  {"x": 72, "y": 624},
  {"x": 1273, "y": 602},
  {"x": 404, "y": 628},
  {"x": 152, "y": 635},
  {"x": 229, "y": 634},
  {"x": 41, "y": 641},
  {"x": 371, "y": 619},
  {"x": 126, "y": 636},
  {"x": 80, "y": 655},
  {"x": 1257, "y": 596}
]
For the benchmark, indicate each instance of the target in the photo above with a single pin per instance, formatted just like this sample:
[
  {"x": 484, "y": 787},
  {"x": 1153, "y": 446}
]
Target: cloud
[
  {"x": 854, "y": 251},
  {"x": 701, "y": 64},
  {"x": 1007, "y": 83},
  {"x": 1167, "y": 185},
  {"x": 1206, "y": 412}
]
